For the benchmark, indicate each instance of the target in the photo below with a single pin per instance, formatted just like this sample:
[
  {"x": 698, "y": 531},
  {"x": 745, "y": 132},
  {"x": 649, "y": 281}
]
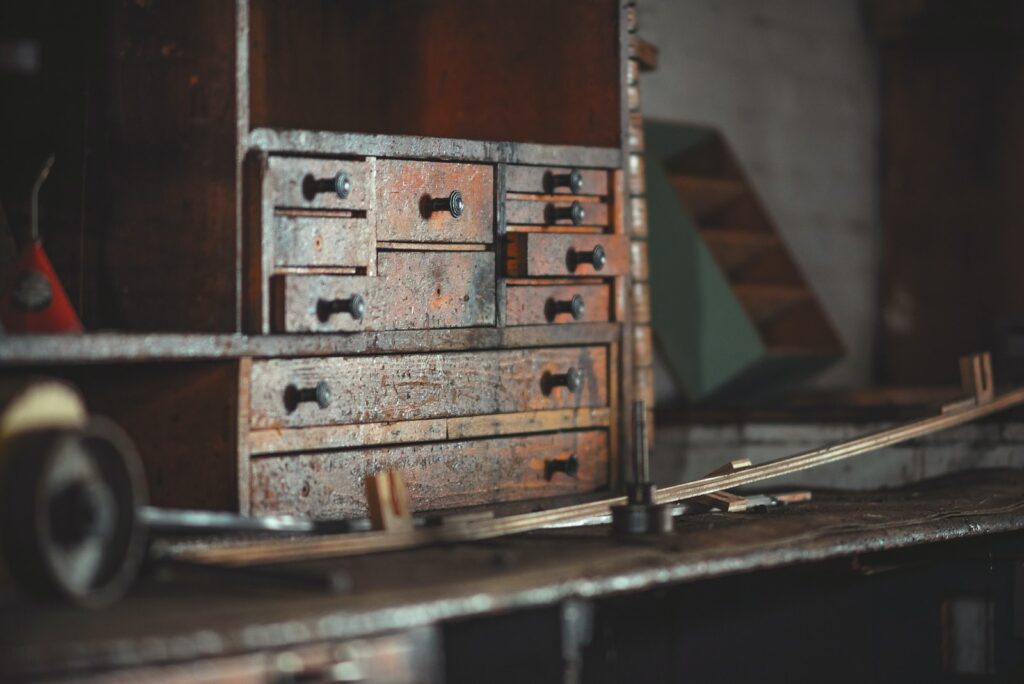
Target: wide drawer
[
  {"x": 439, "y": 475},
  {"x": 411, "y": 291},
  {"x": 541, "y": 304},
  {"x": 556, "y": 211},
  {"x": 323, "y": 241},
  {"x": 370, "y": 389},
  {"x": 409, "y": 195},
  {"x": 320, "y": 183},
  {"x": 564, "y": 254},
  {"x": 555, "y": 180}
]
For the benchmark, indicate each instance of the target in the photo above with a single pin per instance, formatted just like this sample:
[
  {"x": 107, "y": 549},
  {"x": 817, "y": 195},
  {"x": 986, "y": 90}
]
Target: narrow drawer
[
  {"x": 439, "y": 475},
  {"x": 553, "y": 211},
  {"x": 411, "y": 291},
  {"x": 541, "y": 304},
  {"x": 310, "y": 240},
  {"x": 553, "y": 254},
  {"x": 371, "y": 389},
  {"x": 315, "y": 183},
  {"x": 407, "y": 191},
  {"x": 554, "y": 180}
]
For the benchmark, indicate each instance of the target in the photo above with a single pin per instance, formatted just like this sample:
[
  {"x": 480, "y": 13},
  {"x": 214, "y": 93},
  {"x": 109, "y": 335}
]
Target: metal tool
[{"x": 641, "y": 514}]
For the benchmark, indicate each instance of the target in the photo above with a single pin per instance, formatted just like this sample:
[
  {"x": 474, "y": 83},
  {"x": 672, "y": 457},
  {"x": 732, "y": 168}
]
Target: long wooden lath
[{"x": 369, "y": 542}]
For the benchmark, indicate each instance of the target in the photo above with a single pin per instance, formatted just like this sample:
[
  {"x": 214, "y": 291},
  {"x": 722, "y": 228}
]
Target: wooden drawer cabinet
[
  {"x": 566, "y": 255},
  {"x": 557, "y": 180},
  {"x": 553, "y": 210},
  {"x": 304, "y": 239},
  {"x": 542, "y": 304},
  {"x": 320, "y": 183},
  {"x": 439, "y": 475}
]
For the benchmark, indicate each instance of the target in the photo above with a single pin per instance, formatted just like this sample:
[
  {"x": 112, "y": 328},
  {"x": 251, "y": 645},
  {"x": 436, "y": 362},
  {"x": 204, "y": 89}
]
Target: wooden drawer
[
  {"x": 554, "y": 180},
  {"x": 405, "y": 190},
  {"x": 318, "y": 240},
  {"x": 540, "y": 304},
  {"x": 552, "y": 254},
  {"x": 555, "y": 211},
  {"x": 370, "y": 389},
  {"x": 310, "y": 183},
  {"x": 439, "y": 475},
  {"x": 411, "y": 291}
]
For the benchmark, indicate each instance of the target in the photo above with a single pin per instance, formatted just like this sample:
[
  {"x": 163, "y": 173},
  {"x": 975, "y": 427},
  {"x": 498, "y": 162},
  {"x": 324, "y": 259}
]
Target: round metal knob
[
  {"x": 595, "y": 257},
  {"x": 574, "y": 212},
  {"x": 453, "y": 204},
  {"x": 572, "y": 180},
  {"x": 354, "y": 306},
  {"x": 573, "y": 307},
  {"x": 570, "y": 466},
  {"x": 341, "y": 185},
  {"x": 320, "y": 395},
  {"x": 572, "y": 380}
]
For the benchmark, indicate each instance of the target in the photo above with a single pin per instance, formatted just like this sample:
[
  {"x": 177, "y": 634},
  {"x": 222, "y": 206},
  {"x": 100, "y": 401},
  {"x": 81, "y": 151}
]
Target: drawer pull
[
  {"x": 341, "y": 185},
  {"x": 595, "y": 257},
  {"x": 354, "y": 306},
  {"x": 570, "y": 466},
  {"x": 321, "y": 395},
  {"x": 572, "y": 380},
  {"x": 572, "y": 180},
  {"x": 453, "y": 204},
  {"x": 574, "y": 212},
  {"x": 574, "y": 307}
]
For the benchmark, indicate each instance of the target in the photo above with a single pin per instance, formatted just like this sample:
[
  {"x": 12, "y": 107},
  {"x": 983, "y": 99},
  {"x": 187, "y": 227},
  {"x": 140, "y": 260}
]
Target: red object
[{"x": 36, "y": 301}]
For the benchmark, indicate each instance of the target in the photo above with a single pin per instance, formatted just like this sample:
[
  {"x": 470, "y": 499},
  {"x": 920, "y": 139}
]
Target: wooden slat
[
  {"x": 633, "y": 97},
  {"x": 643, "y": 385},
  {"x": 323, "y": 241},
  {"x": 404, "y": 189},
  {"x": 443, "y": 475},
  {"x": 537, "y": 179},
  {"x": 286, "y": 176},
  {"x": 643, "y": 51},
  {"x": 534, "y": 305},
  {"x": 635, "y": 132},
  {"x": 643, "y": 345},
  {"x": 638, "y": 216},
  {"x": 548, "y": 254},
  {"x": 632, "y": 72},
  {"x": 637, "y": 179},
  {"x": 764, "y": 302},
  {"x": 641, "y": 302},
  {"x": 542, "y": 213},
  {"x": 704, "y": 196},
  {"x": 638, "y": 260},
  {"x": 374, "y": 389},
  {"x": 734, "y": 248},
  {"x": 411, "y": 291}
]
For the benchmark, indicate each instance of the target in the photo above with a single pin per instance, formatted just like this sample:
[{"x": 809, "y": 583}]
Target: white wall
[{"x": 793, "y": 84}]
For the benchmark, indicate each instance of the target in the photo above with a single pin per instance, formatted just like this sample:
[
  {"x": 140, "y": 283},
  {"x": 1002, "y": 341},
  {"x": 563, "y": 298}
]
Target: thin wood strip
[
  {"x": 433, "y": 247},
  {"x": 560, "y": 198}
]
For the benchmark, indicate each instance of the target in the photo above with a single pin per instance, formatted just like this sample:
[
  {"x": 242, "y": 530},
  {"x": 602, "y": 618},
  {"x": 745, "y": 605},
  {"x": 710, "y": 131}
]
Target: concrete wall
[{"x": 793, "y": 85}]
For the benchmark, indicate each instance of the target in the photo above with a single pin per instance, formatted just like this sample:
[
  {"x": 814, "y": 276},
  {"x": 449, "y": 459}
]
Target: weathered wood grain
[
  {"x": 411, "y": 291},
  {"x": 543, "y": 212},
  {"x": 535, "y": 305},
  {"x": 643, "y": 345},
  {"x": 288, "y": 179},
  {"x": 404, "y": 191},
  {"x": 638, "y": 260},
  {"x": 373, "y": 389},
  {"x": 552, "y": 254},
  {"x": 279, "y": 440},
  {"x": 638, "y": 216},
  {"x": 637, "y": 179},
  {"x": 641, "y": 302},
  {"x": 305, "y": 240},
  {"x": 444, "y": 475},
  {"x": 538, "y": 179}
]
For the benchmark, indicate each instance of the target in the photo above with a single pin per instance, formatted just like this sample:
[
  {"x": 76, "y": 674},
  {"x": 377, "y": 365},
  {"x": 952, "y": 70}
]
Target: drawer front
[
  {"x": 547, "y": 254},
  {"x": 312, "y": 183},
  {"x": 540, "y": 304},
  {"x": 323, "y": 241},
  {"x": 555, "y": 180},
  {"x": 439, "y": 475},
  {"x": 406, "y": 191},
  {"x": 371, "y": 389},
  {"x": 411, "y": 291},
  {"x": 556, "y": 212}
]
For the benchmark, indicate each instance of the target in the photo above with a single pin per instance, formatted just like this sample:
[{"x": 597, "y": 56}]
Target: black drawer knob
[
  {"x": 574, "y": 212},
  {"x": 573, "y": 307},
  {"x": 354, "y": 306},
  {"x": 320, "y": 395},
  {"x": 572, "y": 180},
  {"x": 572, "y": 380},
  {"x": 570, "y": 466},
  {"x": 595, "y": 257},
  {"x": 341, "y": 185},
  {"x": 453, "y": 204}
]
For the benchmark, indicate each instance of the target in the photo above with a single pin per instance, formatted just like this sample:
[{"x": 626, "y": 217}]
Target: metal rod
[
  {"x": 330, "y": 546},
  {"x": 40, "y": 179}
]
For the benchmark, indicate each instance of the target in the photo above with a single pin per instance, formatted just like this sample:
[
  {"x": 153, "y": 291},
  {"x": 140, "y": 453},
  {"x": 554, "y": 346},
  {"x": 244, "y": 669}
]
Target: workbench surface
[{"x": 189, "y": 613}]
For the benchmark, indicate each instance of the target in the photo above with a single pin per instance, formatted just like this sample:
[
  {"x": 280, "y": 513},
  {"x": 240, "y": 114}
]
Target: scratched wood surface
[
  {"x": 405, "y": 387},
  {"x": 405, "y": 188},
  {"x": 544, "y": 211},
  {"x": 323, "y": 240},
  {"x": 544, "y": 254},
  {"x": 536, "y": 304},
  {"x": 289, "y": 179},
  {"x": 412, "y": 290},
  {"x": 539, "y": 179},
  {"x": 440, "y": 475}
]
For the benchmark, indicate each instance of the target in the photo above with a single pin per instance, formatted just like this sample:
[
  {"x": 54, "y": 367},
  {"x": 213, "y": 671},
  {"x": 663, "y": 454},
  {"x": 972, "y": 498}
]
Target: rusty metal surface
[
  {"x": 176, "y": 621},
  {"x": 107, "y": 346}
]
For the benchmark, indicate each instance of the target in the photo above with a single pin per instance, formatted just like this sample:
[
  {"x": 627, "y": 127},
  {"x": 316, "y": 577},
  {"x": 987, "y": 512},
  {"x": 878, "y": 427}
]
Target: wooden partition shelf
[{"x": 330, "y": 237}]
